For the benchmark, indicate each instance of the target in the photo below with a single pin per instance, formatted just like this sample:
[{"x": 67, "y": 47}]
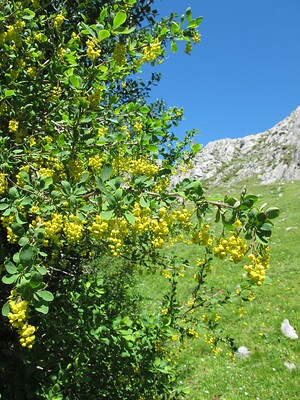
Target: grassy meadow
[{"x": 254, "y": 324}]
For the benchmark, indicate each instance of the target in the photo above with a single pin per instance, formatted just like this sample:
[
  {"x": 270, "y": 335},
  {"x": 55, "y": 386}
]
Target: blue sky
[{"x": 244, "y": 76}]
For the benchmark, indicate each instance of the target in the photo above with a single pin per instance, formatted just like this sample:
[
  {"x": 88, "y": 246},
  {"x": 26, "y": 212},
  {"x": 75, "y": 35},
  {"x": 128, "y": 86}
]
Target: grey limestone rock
[{"x": 270, "y": 156}]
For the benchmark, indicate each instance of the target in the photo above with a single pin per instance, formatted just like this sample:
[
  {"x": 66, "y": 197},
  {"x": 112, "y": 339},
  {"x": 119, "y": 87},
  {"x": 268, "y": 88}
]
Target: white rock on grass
[
  {"x": 290, "y": 366},
  {"x": 288, "y": 331},
  {"x": 243, "y": 352}
]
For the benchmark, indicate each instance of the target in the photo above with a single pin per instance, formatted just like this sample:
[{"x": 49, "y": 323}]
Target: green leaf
[
  {"x": 123, "y": 30},
  {"x": 42, "y": 270},
  {"x": 75, "y": 81},
  {"x": 103, "y": 34},
  {"x": 107, "y": 214},
  {"x": 144, "y": 109},
  {"x": 3, "y": 206},
  {"x": 11, "y": 268},
  {"x": 175, "y": 28},
  {"x": 42, "y": 308},
  {"x": 266, "y": 227},
  {"x": 45, "y": 295},
  {"x": 30, "y": 14},
  {"x": 103, "y": 14},
  {"x": 118, "y": 194},
  {"x": 106, "y": 172},
  {"x": 130, "y": 218},
  {"x": 20, "y": 218},
  {"x": 196, "y": 148},
  {"x": 261, "y": 217},
  {"x": 272, "y": 212},
  {"x": 5, "y": 309},
  {"x": 13, "y": 193},
  {"x": 23, "y": 241},
  {"x": 119, "y": 19},
  {"x": 174, "y": 47},
  {"x": 17, "y": 229},
  {"x": 188, "y": 14},
  {"x": 8, "y": 280},
  {"x": 153, "y": 148},
  {"x": 66, "y": 186},
  {"x": 9, "y": 93},
  {"x": 27, "y": 254},
  {"x": 87, "y": 30},
  {"x": 144, "y": 202}
]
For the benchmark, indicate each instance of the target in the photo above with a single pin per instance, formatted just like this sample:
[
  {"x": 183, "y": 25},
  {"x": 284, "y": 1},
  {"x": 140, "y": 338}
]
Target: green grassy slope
[{"x": 254, "y": 324}]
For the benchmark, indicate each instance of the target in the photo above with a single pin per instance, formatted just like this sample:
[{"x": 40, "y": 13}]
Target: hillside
[{"x": 270, "y": 156}]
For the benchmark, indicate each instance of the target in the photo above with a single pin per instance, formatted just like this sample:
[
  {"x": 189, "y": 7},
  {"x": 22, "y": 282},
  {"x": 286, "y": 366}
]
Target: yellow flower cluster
[
  {"x": 58, "y": 20},
  {"x": 17, "y": 318},
  {"x": 138, "y": 126},
  {"x": 20, "y": 181},
  {"x": 2, "y": 183},
  {"x": 52, "y": 167},
  {"x": 191, "y": 302},
  {"x": 235, "y": 246},
  {"x": 142, "y": 167},
  {"x": 38, "y": 36},
  {"x": 119, "y": 54},
  {"x": 31, "y": 71},
  {"x": 210, "y": 340},
  {"x": 114, "y": 231},
  {"x": 12, "y": 32},
  {"x": 96, "y": 162},
  {"x": 76, "y": 169},
  {"x": 183, "y": 217},
  {"x": 256, "y": 271},
  {"x": 99, "y": 228},
  {"x": 159, "y": 226},
  {"x": 6, "y": 222},
  {"x": 117, "y": 235},
  {"x": 142, "y": 220},
  {"x": 73, "y": 229},
  {"x": 34, "y": 209},
  {"x": 55, "y": 94},
  {"x": 151, "y": 52},
  {"x": 166, "y": 274},
  {"x": 163, "y": 185},
  {"x": 46, "y": 172},
  {"x": 160, "y": 229},
  {"x": 52, "y": 228},
  {"x": 188, "y": 48},
  {"x": 193, "y": 332},
  {"x": 13, "y": 125},
  {"x": 61, "y": 52},
  {"x": 32, "y": 142},
  {"x": 102, "y": 131},
  {"x": 95, "y": 98},
  {"x": 92, "y": 51},
  {"x": 202, "y": 236},
  {"x": 196, "y": 37}
]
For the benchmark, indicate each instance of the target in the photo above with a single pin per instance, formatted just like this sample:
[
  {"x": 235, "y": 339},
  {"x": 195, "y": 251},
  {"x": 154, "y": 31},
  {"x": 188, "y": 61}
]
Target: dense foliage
[{"x": 85, "y": 168}]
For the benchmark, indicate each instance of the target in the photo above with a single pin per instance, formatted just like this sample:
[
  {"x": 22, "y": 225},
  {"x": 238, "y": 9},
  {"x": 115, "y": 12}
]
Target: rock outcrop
[{"x": 270, "y": 156}]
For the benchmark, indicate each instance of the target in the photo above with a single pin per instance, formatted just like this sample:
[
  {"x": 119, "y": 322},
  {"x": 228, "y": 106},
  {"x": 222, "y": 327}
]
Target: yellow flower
[
  {"x": 58, "y": 20},
  {"x": 13, "y": 125},
  {"x": 2, "y": 183},
  {"x": 92, "y": 52}
]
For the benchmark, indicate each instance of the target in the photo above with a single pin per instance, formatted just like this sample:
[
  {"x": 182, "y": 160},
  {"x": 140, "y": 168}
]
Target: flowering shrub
[{"x": 85, "y": 168}]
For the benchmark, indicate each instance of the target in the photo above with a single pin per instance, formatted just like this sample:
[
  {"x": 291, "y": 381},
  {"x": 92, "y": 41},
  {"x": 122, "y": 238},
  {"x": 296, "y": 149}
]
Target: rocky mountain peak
[{"x": 270, "y": 156}]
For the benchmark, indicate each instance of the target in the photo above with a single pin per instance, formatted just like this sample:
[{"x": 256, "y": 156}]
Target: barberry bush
[{"x": 86, "y": 202}]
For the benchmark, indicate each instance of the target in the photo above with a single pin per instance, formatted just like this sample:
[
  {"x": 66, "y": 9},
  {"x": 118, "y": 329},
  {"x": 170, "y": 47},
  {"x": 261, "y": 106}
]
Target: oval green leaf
[
  {"x": 119, "y": 19},
  {"x": 45, "y": 295}
]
